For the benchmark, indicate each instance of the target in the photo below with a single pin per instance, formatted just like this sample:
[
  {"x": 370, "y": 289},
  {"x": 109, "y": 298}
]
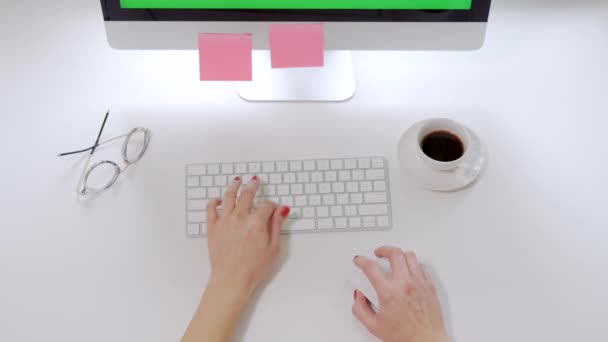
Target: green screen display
[{"x": 301, "y": 4}]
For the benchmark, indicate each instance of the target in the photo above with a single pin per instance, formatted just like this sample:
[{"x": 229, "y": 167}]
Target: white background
[{"x": 521, "y": 255}]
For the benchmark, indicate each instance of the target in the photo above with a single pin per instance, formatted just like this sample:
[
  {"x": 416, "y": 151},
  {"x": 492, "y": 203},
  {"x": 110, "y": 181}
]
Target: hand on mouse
[
  {"x": 409, "y": 307},
  {"x": 243, "y": 247}
]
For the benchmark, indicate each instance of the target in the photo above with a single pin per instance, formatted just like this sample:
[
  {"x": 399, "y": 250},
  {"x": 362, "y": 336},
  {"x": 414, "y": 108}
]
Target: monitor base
[{"x": 333, "y": 83}]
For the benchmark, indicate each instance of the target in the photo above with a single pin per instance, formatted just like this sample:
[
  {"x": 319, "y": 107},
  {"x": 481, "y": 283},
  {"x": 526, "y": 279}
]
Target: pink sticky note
[
  {"x": 225, "y": 57},
  {"x": 296, "y": 45}
]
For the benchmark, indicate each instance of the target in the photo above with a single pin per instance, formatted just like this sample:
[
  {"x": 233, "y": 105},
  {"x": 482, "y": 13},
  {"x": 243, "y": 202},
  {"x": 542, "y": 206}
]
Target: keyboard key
[
  {"x": 331, "y": 176},
  {"x": 221, "y": 180},
  {"x": 276, "y": 178},
  {"x": 206, "y": 181},
  {"x": 380, "y": 185},
  {"x": 282, "y": 166},
  {"x": 227, "y": 169},
  {"x": 374, "y": 174},
  {"x": 196, "y": 216},
  {"x": 214, "y": 192},
  {"x": 314, "y": 200},
  {"x": 283, "y": 189},
  {"x": 324, "y": 188},
  {"x": 369, "y": 221},
  {"x": 350, "y": 164},
  {"x": 213, "y": 169},
  {"x": 377, "y": 163},
  {"x": 308, "y": 212},
  {"x": 322, "y": 212},
  {"x": 295, "y": 213},
  {"x": 344, "y": 175},
  {"x": 358, "y": 175},
  {"x": 366, "y": 186},
  {"x": 352, "y": 187},
  {"x": 247, "y": 178},
  {"x": 197, "y": 170},
  {"x": 350, "y": 210},
  {"x": 197, "y": 204},
  {"x": 255, "y": 168},
  {"x": 287, "y": 200},
  {"x": 193, "y": 182},
  {"x": 264, "y": 178},
  {"x": 289, "y": 178},
  {"x": 197, "y": 193},
  {"x": 354, "y": 222},
  {"x": 336, "y": 211},
  {"x": 297, "y": 189},
  {"x": 323, "y": 165},
  {"x": 295, "y": 166},
  {"x": 325, "y": 223},
  {"x": 337, "y": 187},
  {"x": 273, "y": 199},
  {"x": 356, "y": 198},
  {"x": 383, "y": 221},
  {"x": 303, "y": 177},
  {"x": 375, "y": 197},
  {"x": 310, "y": 165},
  {"x": 342, "y": 199},
  {"x": 240, "y": 168},
  {"x": 268, "y": 167},
  {"x": 194, "y": 229},
  {"x": 317, "y": 177},
  {"x": 329, "y": 199},
  {"x": 341, "y": 222},
  {"x": 337, "y": 164},
  {"x": 373, "y": 209},
  {"x": 301, "y": 224},
  {"x": 310, "y": 188},
  {"x": 364, "y": 163},
  {"x": 269, "y": 190},
  {"x": 301, "y": 201}
]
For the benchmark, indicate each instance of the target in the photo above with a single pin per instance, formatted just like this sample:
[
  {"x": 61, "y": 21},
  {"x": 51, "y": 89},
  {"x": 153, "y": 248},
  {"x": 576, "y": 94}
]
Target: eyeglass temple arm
[{"x": 92, "y": 149}]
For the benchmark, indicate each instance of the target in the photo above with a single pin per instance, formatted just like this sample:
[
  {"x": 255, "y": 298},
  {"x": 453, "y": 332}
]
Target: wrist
[{"x": 233, "y": 295}]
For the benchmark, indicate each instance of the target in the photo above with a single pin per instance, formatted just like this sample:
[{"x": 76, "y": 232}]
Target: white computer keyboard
[{"x": 324, "y": 195}]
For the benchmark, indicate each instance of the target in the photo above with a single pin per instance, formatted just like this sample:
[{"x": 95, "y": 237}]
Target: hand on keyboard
[{"x": 243, "y": 245}]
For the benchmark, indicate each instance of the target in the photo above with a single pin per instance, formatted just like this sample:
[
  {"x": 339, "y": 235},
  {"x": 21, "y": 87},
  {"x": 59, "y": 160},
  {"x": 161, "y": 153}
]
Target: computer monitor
[{"x": 348, "y": 25}]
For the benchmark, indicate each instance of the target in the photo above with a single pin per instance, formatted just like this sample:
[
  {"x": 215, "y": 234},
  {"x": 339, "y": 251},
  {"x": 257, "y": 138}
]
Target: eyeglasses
[{"x": 102, "y": 175}]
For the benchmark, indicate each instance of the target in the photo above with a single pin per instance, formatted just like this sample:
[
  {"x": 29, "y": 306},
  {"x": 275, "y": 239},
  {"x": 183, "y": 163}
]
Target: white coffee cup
[{"x": 446, "y": 125}]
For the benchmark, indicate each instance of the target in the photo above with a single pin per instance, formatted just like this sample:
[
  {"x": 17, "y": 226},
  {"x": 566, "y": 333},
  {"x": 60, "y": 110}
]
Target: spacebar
[{"x": 301, "y": 224}]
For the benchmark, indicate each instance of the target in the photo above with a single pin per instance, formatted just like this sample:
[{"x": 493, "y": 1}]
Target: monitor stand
[{"x": 333, "y": 83}]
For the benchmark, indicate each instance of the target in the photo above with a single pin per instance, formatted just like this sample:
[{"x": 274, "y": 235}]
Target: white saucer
[{"x": 464, "y": 174}]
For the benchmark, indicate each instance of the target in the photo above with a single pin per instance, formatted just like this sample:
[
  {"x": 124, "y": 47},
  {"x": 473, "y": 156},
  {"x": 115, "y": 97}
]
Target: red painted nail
[
  {"x": 285, "y": 211},
  {"x": 254, "y": 177},
  {"x": 355, "y": 294},
  {"x": 356, "y": 256},
  {"x": 238, "y": 179}
]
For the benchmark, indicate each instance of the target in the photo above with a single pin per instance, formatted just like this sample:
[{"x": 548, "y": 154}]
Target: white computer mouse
[{"x": 359, "y": 281}]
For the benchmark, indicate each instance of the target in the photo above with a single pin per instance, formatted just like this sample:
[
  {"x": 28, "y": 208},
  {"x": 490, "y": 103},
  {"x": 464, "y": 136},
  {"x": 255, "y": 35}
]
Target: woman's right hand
[{"x": 409, "y": 307}]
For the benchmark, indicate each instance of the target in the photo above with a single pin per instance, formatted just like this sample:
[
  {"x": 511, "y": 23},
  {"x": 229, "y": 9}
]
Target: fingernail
[
  {"x": 254, "y": 178},
  {"x": 355, "y": 294},
  {"x": 285, "y": 211},
  {"x": 237, "y": 179},
  {"x": 356, "y": 256}
]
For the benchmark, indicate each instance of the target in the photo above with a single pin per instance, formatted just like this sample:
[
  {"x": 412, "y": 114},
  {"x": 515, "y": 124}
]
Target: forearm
[{"x": 217, "y": 315}]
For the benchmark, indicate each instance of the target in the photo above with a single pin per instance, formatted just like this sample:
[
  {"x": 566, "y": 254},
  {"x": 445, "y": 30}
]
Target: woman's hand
[
  {"x": 244, "y": 245},
  {"x": 409, "y": 307}
]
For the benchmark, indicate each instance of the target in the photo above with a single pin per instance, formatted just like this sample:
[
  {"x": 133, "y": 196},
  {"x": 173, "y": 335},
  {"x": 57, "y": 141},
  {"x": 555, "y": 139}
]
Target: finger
[
  {"x": 278, "y": 218},
  {"x": 396, "y": 258},
  {"x": 212, "y": 211},
  {"x": 247, "y": 194},
  {"x": 265, "y": 211},
  {"x": 372, "y": 271},
  {"x": 364, "y": 313},
  {"x": 230, "y": 196},
  {"x": 413, "y": 265}
]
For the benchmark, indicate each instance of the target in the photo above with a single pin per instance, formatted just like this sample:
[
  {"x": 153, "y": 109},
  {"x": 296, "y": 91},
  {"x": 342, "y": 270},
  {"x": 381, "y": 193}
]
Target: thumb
[
  {"x": 278, "y": 218},
  {"x": 364, "y": 313}
]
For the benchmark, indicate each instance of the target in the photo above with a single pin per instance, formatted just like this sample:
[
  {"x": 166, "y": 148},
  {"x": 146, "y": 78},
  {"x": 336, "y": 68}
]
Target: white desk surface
[{"x": 521, "y": 255}]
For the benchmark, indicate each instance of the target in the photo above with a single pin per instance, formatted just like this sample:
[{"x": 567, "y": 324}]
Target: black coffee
[{"x": 442, "y": 146}]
